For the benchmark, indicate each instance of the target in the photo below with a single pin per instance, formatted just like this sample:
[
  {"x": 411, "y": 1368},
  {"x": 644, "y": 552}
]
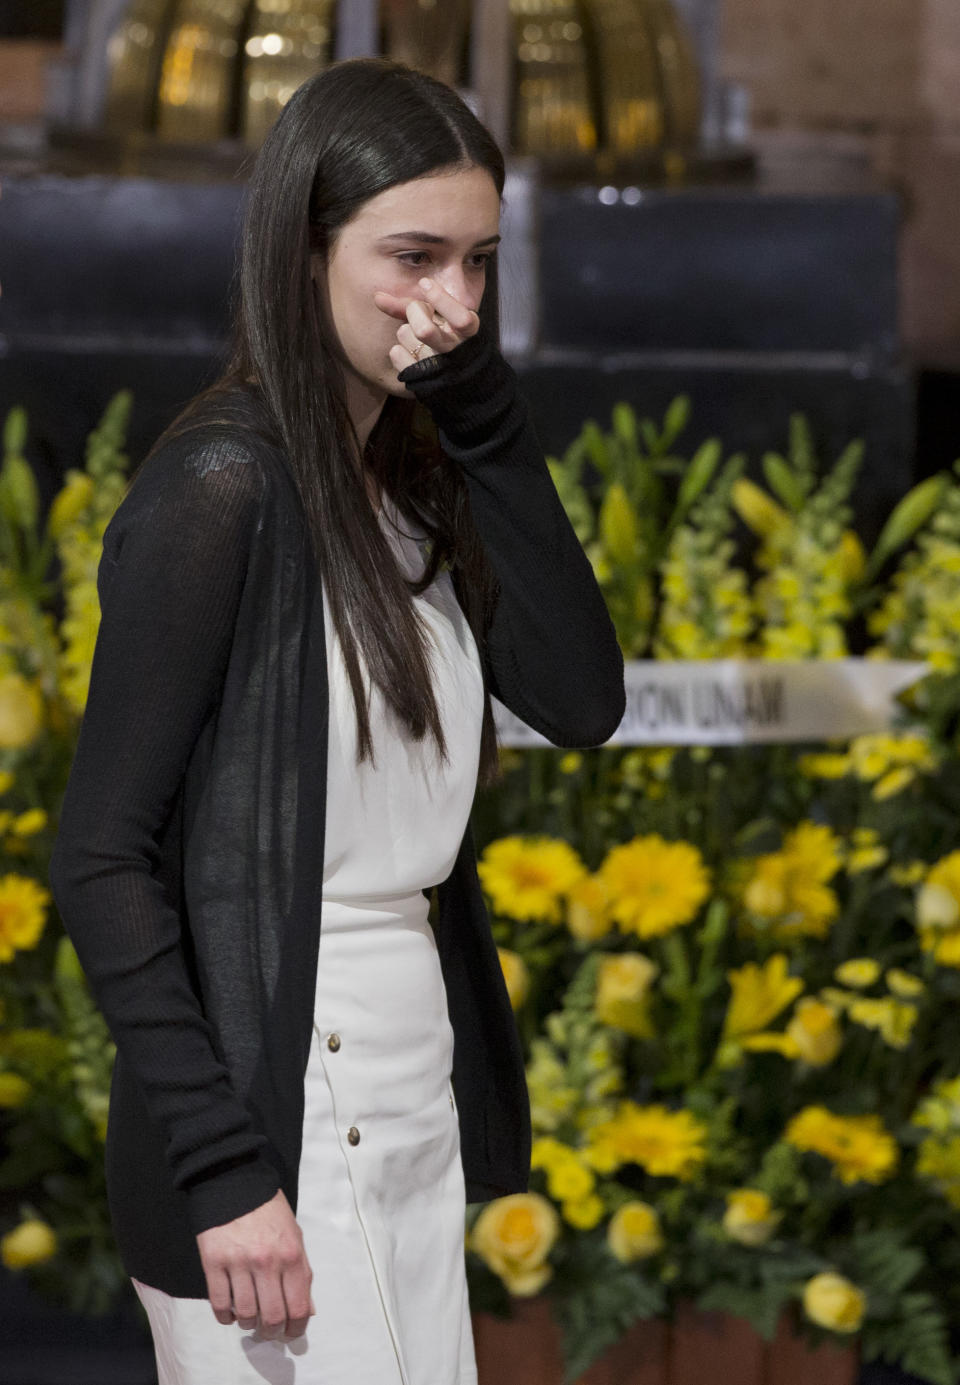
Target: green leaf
[{"x": 782, "y": 481}]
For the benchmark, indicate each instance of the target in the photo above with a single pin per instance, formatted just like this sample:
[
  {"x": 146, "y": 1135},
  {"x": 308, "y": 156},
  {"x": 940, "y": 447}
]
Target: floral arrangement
[
  {"x": 736, "y": 969},
  {"x": 56, "y": 1055}
]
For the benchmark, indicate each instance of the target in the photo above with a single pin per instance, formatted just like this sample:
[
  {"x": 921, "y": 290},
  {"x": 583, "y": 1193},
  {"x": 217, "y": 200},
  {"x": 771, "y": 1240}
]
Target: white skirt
[{"x": 382, "y": 1218}]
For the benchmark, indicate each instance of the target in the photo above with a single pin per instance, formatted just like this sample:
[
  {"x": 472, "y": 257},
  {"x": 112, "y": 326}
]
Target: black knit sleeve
[
  {"x": 552, "y": 655},
  {"x": 170, "y": 581}
]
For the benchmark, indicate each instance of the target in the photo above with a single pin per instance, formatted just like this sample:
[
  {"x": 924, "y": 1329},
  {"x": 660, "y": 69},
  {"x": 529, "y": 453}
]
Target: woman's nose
[{"x": 464, "y": 287}]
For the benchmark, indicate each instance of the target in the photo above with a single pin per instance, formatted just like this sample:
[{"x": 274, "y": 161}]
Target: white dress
[{"x": 381, "y": 1188}]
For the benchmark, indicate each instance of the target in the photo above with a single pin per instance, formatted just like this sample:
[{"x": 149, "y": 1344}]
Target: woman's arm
[
  {"x": 552, "y": 654},
  {"x": 170, "y": 578}
]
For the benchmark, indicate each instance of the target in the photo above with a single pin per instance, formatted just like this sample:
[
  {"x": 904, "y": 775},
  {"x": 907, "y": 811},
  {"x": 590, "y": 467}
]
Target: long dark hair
[{"x": 353, "y": 130}]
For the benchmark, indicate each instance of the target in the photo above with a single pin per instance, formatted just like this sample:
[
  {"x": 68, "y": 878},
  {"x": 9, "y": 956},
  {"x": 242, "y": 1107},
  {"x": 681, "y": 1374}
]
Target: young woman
[{"x": 315, "y": 581}]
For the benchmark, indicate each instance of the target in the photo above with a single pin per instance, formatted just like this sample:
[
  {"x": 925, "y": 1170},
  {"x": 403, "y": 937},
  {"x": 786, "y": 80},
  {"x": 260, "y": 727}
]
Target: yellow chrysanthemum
[
  {"x": 858, "y": 1147},
  {"x": 787, "y": 893},
  {"x": 514, "y": 1235},
  {"x": 634, "y": 1232},
  {"x": 23, "y": 914},
  {"x": 654, "y": 885},
  {"x": 759, "y": 994},
  {"x": 528, "y": 877},
  {"x": 668, "y": 1144}
]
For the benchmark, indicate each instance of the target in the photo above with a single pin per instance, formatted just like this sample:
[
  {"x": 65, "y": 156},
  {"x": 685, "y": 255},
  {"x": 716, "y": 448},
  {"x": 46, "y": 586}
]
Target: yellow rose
[
  {"x": 634, "y": 1232},
  {"x": 514, "y": 1235},
  {"x": 622, "y": 996},
  {"x": 831, "y": 1301},
  {"x": 750, "y": 1217},
  {"x": 14, "y": 1090},
  {"x": 516, "y": 976},
  {"x": 815, "y": 1031},
  {"x": 21, "y": 711},
  {"x": 30, "y": 1243}
]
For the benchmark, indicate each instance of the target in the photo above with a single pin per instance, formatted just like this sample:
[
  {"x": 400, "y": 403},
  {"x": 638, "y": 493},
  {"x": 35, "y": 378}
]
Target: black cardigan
[{"x": 188, "y": 862}]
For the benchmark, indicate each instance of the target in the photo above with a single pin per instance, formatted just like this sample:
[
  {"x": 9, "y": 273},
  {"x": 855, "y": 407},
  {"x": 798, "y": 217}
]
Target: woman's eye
[{"x": 411, "y": 257}]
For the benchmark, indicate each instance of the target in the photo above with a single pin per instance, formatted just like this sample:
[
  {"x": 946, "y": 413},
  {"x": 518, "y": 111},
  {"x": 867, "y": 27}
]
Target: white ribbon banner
[{"x": 736, "y": 701}]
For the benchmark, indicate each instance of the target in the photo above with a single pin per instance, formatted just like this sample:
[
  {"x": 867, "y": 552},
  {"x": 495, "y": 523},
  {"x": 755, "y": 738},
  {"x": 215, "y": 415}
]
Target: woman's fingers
[
  {"x": 296, "y": 1293},
  {"x": 245, "y": 1297},
  {"x": 461, "y": 318},
  {"x": 218, "y": 1291}
]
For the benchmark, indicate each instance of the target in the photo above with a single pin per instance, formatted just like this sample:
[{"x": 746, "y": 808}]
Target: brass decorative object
[
  {"x": 552, "y": 102},
  {"x": 427, "y": 34},
  {"x": 287, "y": 42},
  {"x": 134, "y": 52},
  {"x": 631, "y": 91},
  {"x": 618, "y": 78},
  {"x": 680, "y": 73},
  {"x": 194, "y": 101}
]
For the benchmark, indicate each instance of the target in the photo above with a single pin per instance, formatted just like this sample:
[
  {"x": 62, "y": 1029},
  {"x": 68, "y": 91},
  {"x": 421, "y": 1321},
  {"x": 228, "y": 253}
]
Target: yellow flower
[
  {"x": 617, "y": 525},
  {"x": 858, "y": 1147},
  {"x": 758, "y": 510},
  {"x": 587, "y": 917},
  {"x": 21, "y": 711},
  {"x": 622, "y": 996},
  {"x": 526, "y": 877},
  {"x": 7, "y": 778},
  {"x": 903, "y": 983},
  {"x": 23, "y": 913},
  {"x": 815, "y": 1031},
  {"x": 750, "y": 1217},
  {"x": 30, "y": 1243},
  {"x": 893, "y": 1019},
  {"x": 69, "y": 503},
  {"x": 938, "y": 911},
  {"x": 654, "y": 885},
  {"x": 634, "y": 1232},
  {"x": 14, "y": 1090},
  {"x": 832, "y": 1301},
  {"x": 668, "y": 1144},
  {"x": 583, "y": 1213},
  {"x": 784, "y": 1044},
  {"x": 759, "y": 995},
  {"x": 825, "y": 765},
  {"x": 571, "y": 762},
  {"x": 29, "y": 823},
  {"x": 892, "y": 782},
  {"x": 859, "y": 971},
  {"x": 908, "y": 872},
  {"x": 514, "y": 1235},
  {"x": 516, "y": 976},
  {"x": 787, "y": 892},
  {"x": 939, "y": 1160}
]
